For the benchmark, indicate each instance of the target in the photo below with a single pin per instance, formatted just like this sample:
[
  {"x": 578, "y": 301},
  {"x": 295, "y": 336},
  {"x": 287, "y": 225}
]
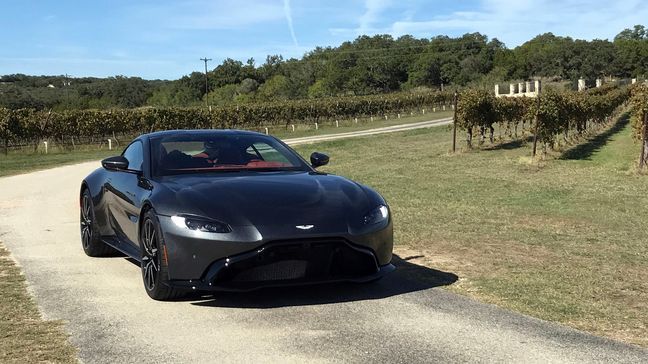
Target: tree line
[{"x": 365, "y": 66}]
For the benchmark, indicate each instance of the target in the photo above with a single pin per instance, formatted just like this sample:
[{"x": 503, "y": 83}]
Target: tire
[
  {"x": 90, "y": 238},
  {"x": 155, "y": 270}
]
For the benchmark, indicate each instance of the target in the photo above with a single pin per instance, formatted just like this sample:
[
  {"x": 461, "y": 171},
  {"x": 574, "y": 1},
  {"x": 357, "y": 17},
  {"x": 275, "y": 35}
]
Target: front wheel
[{"x": 155, "y": 273}]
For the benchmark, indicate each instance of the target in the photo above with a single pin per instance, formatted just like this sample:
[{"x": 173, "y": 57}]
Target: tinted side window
[{"x": 135, "y": 156}]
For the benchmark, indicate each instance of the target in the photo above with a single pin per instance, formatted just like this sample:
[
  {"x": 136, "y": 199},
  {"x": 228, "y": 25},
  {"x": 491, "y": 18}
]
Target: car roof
[{"x": 222, "y": 132}]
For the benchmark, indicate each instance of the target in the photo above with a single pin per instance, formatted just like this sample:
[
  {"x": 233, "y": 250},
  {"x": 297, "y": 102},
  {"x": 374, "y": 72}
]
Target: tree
[
  {"x": 426, "y": 71},
  {"x": 276, "y": 88},
  {"x": 639, "y": 32},
  {"x": 247, "y": 86},
  {"x": 127, "y": 92},
  {"x": 231, "y": 72}
]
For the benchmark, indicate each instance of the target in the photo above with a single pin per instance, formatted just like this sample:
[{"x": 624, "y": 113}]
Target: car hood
[{"x": 270, "y": 199}]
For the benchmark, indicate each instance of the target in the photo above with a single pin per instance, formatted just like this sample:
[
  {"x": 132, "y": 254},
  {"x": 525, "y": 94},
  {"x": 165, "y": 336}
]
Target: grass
[
  {"x": 23, "y": 162},
  {"x": 24, "y": 336},
  {"x": 564, "y": 240}
]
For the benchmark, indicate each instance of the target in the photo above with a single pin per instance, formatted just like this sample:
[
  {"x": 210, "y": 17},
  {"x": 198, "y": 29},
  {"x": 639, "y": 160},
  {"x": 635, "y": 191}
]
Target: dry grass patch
[{"x": 24, "y": 336}]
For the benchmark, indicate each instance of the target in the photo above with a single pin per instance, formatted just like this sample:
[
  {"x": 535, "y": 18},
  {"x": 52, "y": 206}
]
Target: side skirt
[{"x": 123, "y": 247}]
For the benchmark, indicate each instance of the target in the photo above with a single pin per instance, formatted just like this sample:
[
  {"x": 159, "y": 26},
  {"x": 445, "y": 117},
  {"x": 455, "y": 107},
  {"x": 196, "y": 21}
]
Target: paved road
[
  {"x": 405, "y": 317},
  {"x": 352, "y": 134}
]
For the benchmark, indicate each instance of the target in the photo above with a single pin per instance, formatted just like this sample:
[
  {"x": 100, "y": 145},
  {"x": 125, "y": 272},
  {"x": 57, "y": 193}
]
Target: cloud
[
  {"x": 367, "y": 22},
  {"x": 289, "y": 19},
  {"x": 371, "y": 15}
]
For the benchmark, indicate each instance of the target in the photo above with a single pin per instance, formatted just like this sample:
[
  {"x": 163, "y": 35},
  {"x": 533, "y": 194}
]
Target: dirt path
[{"x": 352, "y": 134}]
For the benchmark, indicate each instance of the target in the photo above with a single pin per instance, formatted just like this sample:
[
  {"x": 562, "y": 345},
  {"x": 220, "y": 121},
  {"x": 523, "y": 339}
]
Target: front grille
[
  {"x": 277, "y": 271},
  {"x": 297, "y": 261}
]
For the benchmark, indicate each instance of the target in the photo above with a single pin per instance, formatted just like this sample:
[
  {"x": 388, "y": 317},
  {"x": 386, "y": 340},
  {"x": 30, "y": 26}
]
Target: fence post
[
  {"x": 337, "y": 124},
  {"x": 372, "y": 118},
  {"x": 356, "y": 120},
  {"x": 6, "y": 145},
  {"x": 644, "y": 142},
  {"x": 454, "y": 122},
  {"x": 45, "y": 147},
  {"x": 109, "y": 144},
  {"x": 535, "y": 131},
  {"x": 293, "y": 127},
  {"x": 316, "y": 127},
  {"x": 266, "y": 131}
]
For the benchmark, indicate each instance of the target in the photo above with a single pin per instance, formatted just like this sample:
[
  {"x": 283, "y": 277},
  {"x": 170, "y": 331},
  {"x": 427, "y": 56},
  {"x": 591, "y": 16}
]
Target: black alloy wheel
[
  {"x": 155, "y": 273},
  {"x": 150, "y": 257},
  {"x": 86, "y": 222},
  {"x": 90, "y": 238}
]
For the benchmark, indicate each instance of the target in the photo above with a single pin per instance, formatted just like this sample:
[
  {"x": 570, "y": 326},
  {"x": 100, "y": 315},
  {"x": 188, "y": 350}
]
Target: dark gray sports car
[{"x": 232, "y": 210}]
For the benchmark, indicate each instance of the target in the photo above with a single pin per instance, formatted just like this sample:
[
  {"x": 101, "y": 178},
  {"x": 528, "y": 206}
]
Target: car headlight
[
  {"x": 200, "y": 224},
  {"x": 377, "y": 215}
]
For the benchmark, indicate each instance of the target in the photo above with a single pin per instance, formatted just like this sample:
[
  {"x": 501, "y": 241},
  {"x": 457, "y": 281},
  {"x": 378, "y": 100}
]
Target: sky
[{"x": 164, "y": 39}]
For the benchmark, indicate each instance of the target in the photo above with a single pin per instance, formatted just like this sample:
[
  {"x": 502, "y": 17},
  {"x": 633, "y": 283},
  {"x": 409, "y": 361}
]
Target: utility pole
[
  {"x": 206, "y": 79},
  {"x": 66, "y": 84}
]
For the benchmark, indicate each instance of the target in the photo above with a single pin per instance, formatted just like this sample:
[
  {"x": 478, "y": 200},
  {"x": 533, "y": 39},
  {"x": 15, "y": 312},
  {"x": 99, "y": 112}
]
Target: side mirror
[
  {"x": 118, "y": 163},
  {"x": 319, "y": 159}
]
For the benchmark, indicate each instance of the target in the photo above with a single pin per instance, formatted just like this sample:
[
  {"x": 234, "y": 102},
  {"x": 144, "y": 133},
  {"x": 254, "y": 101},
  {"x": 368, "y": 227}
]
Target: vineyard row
[
  {"x": 28, "y": 125},
  {"x": 552, "y": 114}
]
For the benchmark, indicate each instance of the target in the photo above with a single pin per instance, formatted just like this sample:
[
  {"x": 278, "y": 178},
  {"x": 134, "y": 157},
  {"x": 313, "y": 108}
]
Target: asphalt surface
[{"x": 406, "y": 317}]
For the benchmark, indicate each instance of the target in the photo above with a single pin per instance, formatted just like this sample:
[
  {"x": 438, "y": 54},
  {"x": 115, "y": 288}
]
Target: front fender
[{"x": 94, "y": 183}]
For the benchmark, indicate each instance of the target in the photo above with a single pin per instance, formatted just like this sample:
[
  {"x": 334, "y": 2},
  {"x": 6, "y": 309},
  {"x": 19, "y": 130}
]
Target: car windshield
[{"x": 220, "y": 152}]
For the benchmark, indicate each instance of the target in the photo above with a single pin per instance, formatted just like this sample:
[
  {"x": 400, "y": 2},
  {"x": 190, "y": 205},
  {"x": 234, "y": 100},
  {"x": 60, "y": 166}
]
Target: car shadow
[{"x": 408, "y": 277}]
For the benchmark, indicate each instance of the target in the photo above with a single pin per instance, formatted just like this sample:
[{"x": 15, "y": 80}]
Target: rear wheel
[
  {"x": 155, "y": 273},
  {"x": 90, "y": 239}
]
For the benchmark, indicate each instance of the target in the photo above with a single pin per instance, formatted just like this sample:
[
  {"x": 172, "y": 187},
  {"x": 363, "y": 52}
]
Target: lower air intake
[{"x": 297, "y": 261}]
